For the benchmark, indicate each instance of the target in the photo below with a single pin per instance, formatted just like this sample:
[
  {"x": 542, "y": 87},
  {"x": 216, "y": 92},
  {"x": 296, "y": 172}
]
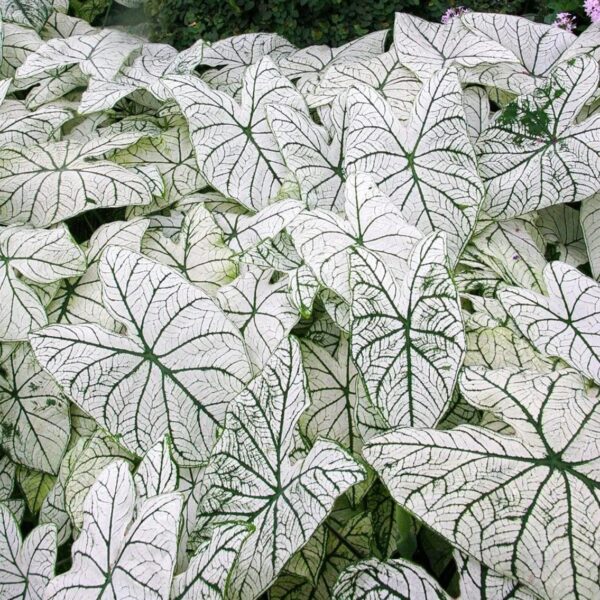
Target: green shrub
[{"x": 303, "y": 22}]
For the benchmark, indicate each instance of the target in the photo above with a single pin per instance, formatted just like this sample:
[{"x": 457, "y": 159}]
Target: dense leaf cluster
[{"x": 330, "y": 324}]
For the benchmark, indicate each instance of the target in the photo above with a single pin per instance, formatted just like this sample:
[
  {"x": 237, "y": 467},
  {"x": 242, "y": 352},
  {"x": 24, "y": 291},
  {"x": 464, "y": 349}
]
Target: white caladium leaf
[
  {"x": 313, "y": 571},
  {"x": 427, "y": 47},
  {"x": 83, "y": 463},
  {"x": 478, "y": 581},
  {"x": 525, "y": 505},
  {"x": 426, "y": 166},
  {"x": 332, "y": 384},
  {"x": 46, "y": 184},
  {"x": 250, "y": 474},
  {"x": 323, "y": 239},
  {"x": 206, "y": 575},
  {"x": 563, "y": 324},
  {"x": 534, "y": 155},
  {"x": 114, "y": 552},
  {"x": 407, "y": 338},
  {"x": 27, "y": 565},
  {"x": 303, "y": 289},
  {"x": 315, "y": 161},
  {"x": 200, "y": 252},
  {"x": 79, "y": 299},
  {"x": 397, "y": 578},
  {"x": 156, "y": 474},
  {"x": 172, "y": 153},
  {"x": 234, "y": 146},
  {"x": 22, "y": 127},
  {"x": 34, "y": 413},
  {"x": 233, "y": 55},
  {"x": 477, "y": 111},
  {"x": 43, "y": 257},
  {"x": 499, "y": 347},
  {"x": 53, "y": 511},
  {"x": 245, "y": 231},
  {"x": 384, "y": 73},
  {"x": 29, "y": 13},
  {"x": 52, "y": 88},
  {"x": 536, "y": 48},
  {"x": 261, "y": 310},
  {"x": 560, "y": 225},
  {"x": 306, "y": 64},
  {"x": 173, "y": 373},
  {"x": 514, "y": 249},
  {"x": 189, "y": 486},
  {"x": 99, "y": 54},
  {"x": 18, "y": 42},
  {"x": 62, "y": 25},
  {"x": 590, "y": 224}
]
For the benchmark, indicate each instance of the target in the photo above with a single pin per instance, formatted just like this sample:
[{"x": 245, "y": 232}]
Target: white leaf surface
[
  {"x": 49, "y": 183},
  {"x": 398, "y": 579},
  {"x": 99, "y": 54},
  {"x": 564, "y": 323},
  {"x": 22, "y": 127},
  {"x": 384, "y": 73},
  {"x": 261, "y": 310},
  {"x": 175, "y": 371},
  {"x": 524, "y": 505},
  {"x": 234, "y": 146},
  {"x": 315, "y": 161},
  {"x": 200, "y": 252},
  {"x": 79, "y": 299},
  {"x": 27, "y": 565},
  {"x": 206, "y": 575},
  {"x": 427, "y": 47},
  {"x": 250, "y": 474},
  {"x": 116, "y": 556},
  {"x": 29, "y": 13},
  {"x": 34, "y": 413},
  {"x": 478, "y": 581},
  {"x": 324, "y": 239},
  {"x": 427, "y": 166},
  {"x": 407, "y": 337},
  {"x": 156, "y": 474},
  {"x": 590, "y": 224},
  {"x": 534, "y": 155},
  {"x": 41, "y": 256}
]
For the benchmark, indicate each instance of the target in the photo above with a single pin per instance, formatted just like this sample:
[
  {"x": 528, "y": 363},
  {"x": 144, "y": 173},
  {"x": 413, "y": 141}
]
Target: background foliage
[{"x": 303, "y": 22}]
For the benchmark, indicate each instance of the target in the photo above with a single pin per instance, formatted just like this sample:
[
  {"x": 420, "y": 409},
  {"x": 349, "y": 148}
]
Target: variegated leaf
[
  {"x": 563, "y": 324},
  {"x": 175, "y": 371},
  {"x": 426, "y": 166},
  {"x": 250, "y": 474},
  {"x": 525, "y": 505},
  {"x": 114, "y": 552},
  {"x": 407, "y": 337}
]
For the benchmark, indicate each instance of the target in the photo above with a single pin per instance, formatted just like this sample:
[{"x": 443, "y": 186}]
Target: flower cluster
[
  {"x": 451, "y": 13},
  {"x": 592, "y": 10},
  {"x": 566, "y": 21}
]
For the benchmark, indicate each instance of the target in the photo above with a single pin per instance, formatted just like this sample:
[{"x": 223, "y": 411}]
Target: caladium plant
[{"x": 299, "y": 323}]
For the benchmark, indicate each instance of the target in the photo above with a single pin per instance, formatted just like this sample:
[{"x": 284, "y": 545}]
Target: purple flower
[
  {"x": 566, "y": 21},
  {"x": 459, "y": 11},
  {"x": 592, "y": 10}
]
